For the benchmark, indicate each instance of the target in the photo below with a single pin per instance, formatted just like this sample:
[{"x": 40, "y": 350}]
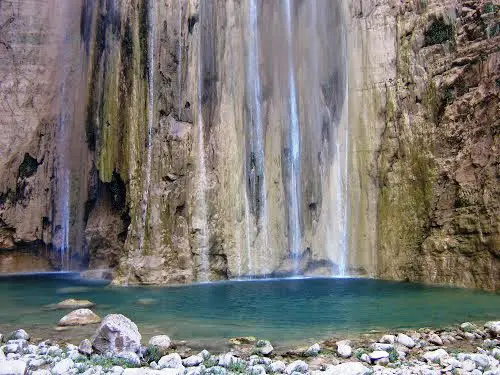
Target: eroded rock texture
[{"x": 103, "y": 102}]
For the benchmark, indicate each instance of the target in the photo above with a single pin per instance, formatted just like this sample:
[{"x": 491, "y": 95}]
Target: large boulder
[
  {"x": 18, "y": 334},
  {"x": 493, "y": 328},
  {"x": 162, "y": 342},
  {"x": 116, "y": 334},
  {"x": 79, "y": 317}
]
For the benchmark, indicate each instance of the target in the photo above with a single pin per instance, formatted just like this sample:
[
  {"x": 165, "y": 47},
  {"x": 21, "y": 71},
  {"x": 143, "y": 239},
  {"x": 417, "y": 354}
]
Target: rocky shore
[{"x": 116, "y": 349}]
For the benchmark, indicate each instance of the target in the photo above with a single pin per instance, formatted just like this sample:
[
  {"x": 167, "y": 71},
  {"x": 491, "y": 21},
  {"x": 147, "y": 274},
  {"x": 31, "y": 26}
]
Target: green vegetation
[
  {"x": 439, "y": 32},
  {"x": 238, "y": 367},
  {"x": 490, "y": 8},
  {"x": 153, "y": 354},
  {"x": 393, "y": 355},
  {"x": 210, "y": 362}
]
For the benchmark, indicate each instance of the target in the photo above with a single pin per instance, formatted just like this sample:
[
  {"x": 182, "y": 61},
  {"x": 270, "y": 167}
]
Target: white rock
[
  {"x": 297, "y": 366},
  {"x": 435, "y": 356},
  {"x": 468, "y": 365},
  {"x": 263, "y": 347},
  {"x": 173, "y": 360},
  {"x": 405, "y": 340},
  {"x": 481, "y": 360},
  {"x": 348, "y": 368},
  {"x": 15, "y": 367},
  {"x": 63, "y": 367},
  {"x": 277, "y": 366},
  {"x": 85, "y": 347},
  {"x": 388, "y": 339},
  {"x": 344, "y": 351},
  {"x": 256, "y": 370},
  {"x": 381, "y": 346},
  {"x": 435, "y": 339},
  {"x": 313, "y": 350},
  {"x": 116, "y": 333},
  {"x": 79, "y": 317},
  {"x": 378, "y": 354},
  {"x": 256, "y": 360},
  {"x": 162, "y": 342},
  {"x": 130, "y": 357},
  {"x": 18, "y": 334},
  {"x": 2, "y": 355},
  {"x": 41, "y": 372},
  {"x": 365, "y": 358},
  {"x": 193, "y": 361},
  {"x": 493, "y": 327},
  {"x": 197, "y": 370}
]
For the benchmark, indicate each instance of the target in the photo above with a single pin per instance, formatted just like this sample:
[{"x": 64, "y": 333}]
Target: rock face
[{"x": 160, "y": 174}]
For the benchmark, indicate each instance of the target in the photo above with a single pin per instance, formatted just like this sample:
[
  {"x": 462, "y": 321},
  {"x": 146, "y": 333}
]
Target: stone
[
  {"x": 63, "y": 367},
  {"x": 347, "y": 368},
  {"x": 365, "y": 358},
  {"x": 435, "y": 356},
  {"x": 263, "y": 347},
  {"x": 2, "y": 355},
  {"x": 388, "y": 339},
  {"x": 313, "y": 350},
  {"x": 277, "y": 367},
  {"x": 435, "y": 339},
  {"x": 468, "y": 327},
  {"x": 297, "y": 366},
  {"x": 130, "y": 357},
  {"x": 116, "y": 333},
  {"x": 173, "y": 360},
  {"x": 74, "y": 304},
  {"x": 15, "y": 367},
  {"x": 79, "y": 317},
  {"x": 381, "y": 346},
  {"x": 256, "y": 370},
  {"x": 41, "y": 372},
  {"x": 193, "y": 361},
  {"x": 344, "y": 350},
  {"x": 256, "y": 360},
  {"x": 378, "y": 354},
  {"x": 468, "y": 365},
  {"x": 146, "y": 301},
  {"x": 197, "y": 370},
  {"x": 85, "y": 347},
  {"x": 481, "y": 360},
  {"x": 162, "y": 342},
  {"x": 18, "y": 334},
  {"x": 493, "y": 328},
  {"x": 405, "y": 340},
  {"x": 97, "y": 274},
  {"x": 382, "y": 362},
  {"x": 246, "y": 340}
]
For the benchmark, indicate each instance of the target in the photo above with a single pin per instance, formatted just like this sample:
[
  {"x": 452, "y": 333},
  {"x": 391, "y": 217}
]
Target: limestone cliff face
[
  {"x": 438, "y": 204},
  {"x": 135, "y": 142}
]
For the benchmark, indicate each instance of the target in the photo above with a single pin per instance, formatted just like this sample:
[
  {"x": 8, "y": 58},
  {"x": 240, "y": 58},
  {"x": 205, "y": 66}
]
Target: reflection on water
[{"x": 283, "y": 310}]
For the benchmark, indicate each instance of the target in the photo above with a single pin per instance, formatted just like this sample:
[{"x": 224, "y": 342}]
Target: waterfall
[
  {"x": 294, "y": 232},
  {"x": 179, "y": 64},
  {"x": 200, "y": 216},
  {"x": 256, "y": 159},
  {"x": 150, "y": 120}
]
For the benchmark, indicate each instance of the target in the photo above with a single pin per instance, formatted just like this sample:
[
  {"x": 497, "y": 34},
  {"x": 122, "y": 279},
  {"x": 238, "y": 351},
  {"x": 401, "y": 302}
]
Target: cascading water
[
  {"x": 294, "y": 232},
  {"x": 150, "y": 119},
  {"x": 200, "y": 223},
  {"x": 255, "y": 171},
  {"x": 179, "y": 64}
]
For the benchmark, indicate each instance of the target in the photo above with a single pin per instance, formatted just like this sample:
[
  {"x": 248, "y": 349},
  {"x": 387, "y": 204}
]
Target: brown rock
[{"x": 79, "y": 317}]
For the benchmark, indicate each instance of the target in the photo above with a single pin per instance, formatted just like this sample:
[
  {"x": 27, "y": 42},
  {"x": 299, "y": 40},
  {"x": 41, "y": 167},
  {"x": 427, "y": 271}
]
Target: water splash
[{"x": 294, "y": 134}]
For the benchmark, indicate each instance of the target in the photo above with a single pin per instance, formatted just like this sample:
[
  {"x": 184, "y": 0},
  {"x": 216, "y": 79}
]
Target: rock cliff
[{"x": 134, "y": 135}]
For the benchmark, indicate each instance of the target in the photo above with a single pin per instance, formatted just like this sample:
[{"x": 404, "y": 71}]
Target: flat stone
[
  {"x": 79, "y": 317},
  {"x": 388, "y": 339},
  {"x": 378, "y": 354},
  {"x": 74, "y": 304},
  {"x": 381, "y": 346}
]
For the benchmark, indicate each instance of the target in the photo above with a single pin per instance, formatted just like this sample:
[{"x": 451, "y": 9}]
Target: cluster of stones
[{"x": 116, "y": 349}]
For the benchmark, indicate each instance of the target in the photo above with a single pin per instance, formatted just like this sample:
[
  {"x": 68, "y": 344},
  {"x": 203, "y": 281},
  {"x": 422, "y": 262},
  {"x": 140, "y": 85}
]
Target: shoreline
[{"x": 468, "y": 348}]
